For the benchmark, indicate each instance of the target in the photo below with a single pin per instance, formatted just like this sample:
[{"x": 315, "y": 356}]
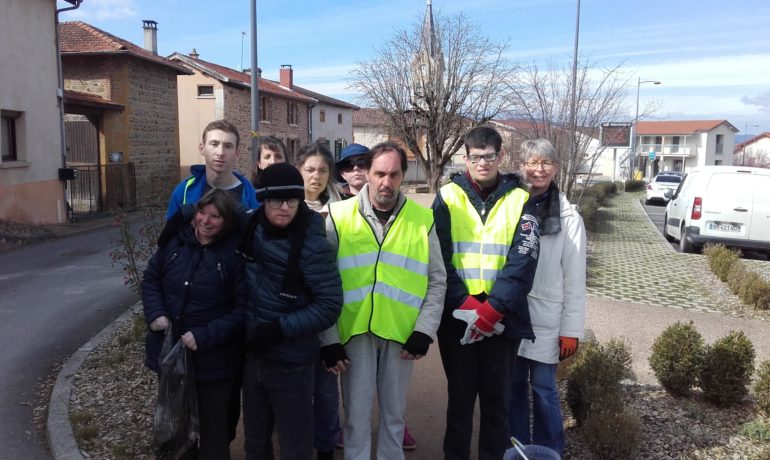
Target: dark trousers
[
  {"x": 214, "y": 402},
  {"x": 480, "y": 369},
  {"x": 326, "y": 402},
  {"x": 279, "y": 395}
]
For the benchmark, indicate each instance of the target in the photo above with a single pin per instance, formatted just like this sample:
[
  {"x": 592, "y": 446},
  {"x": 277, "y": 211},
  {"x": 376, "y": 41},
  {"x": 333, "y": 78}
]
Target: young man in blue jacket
[
  {"x": 219, "y": 147},
  {"x": 490, "y": 242}
]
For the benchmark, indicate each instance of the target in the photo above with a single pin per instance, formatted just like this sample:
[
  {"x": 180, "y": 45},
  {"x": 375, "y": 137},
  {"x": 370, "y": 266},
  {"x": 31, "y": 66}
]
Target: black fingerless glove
[
  {"x": 262, "y": 337},
  {"x": 330, "y": 354},
  {"x": 418, "y": 343}
]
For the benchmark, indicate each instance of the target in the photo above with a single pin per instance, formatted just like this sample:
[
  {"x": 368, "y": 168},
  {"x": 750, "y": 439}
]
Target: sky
[{"x": 711, "y": 57}]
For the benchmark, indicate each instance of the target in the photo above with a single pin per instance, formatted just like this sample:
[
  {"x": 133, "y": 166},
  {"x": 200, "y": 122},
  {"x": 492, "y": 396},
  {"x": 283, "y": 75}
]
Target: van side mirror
[{"x": 668, "y": 194}]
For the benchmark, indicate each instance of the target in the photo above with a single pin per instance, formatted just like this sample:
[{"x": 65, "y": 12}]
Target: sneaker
[
  {"x": 409, "y": 442},
  {"x": 340, "y": 443}
]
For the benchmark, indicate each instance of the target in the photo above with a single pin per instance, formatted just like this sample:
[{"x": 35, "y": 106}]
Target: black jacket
[
  {"x": 513, "y": 283},
  {"x": 201, "y": 289},
  {"x": 319, "y": 300}
]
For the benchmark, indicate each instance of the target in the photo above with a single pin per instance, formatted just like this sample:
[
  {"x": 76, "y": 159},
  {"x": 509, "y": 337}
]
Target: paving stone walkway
[{"x": 628, "y": 260}]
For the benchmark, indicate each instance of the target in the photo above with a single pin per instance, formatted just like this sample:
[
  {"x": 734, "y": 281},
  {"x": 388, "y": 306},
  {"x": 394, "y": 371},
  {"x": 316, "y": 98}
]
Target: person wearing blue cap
[{"x": 351, "y": 169}]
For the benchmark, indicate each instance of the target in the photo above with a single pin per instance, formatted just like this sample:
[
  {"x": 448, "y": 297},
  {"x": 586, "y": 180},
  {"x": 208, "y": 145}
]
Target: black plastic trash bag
[{"x": 176, "y": 424}]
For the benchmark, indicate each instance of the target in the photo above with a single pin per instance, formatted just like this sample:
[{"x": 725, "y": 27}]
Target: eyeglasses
[
  {"x": 276, "y": 203},
  {"x": 351, "y": 165},
  {"x": 546, "y": 164},
  {"x": 488, "y": 157}
]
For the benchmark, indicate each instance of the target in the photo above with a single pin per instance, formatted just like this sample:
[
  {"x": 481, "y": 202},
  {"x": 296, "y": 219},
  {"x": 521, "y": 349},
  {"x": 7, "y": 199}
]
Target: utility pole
[{"x": 254, "y": 82}]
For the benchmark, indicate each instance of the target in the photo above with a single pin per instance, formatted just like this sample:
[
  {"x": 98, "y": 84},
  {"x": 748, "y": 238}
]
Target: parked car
[
  {"x": 720, "y": 204},
  {"x": 656, "y": 189}
]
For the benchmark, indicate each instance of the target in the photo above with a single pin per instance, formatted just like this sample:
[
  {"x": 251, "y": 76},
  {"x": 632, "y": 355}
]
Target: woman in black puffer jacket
[
  {"x": 295, "y": 292},
  {"x": 195, "y": 282}
]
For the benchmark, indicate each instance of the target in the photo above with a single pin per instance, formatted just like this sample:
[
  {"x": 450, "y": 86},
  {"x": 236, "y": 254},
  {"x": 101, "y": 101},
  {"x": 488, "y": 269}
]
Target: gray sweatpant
[{"x": 375, "y": 364}]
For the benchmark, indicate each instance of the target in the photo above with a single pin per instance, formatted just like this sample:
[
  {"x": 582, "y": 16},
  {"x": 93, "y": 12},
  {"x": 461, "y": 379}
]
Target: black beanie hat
[{"x": 282, "y": 181}]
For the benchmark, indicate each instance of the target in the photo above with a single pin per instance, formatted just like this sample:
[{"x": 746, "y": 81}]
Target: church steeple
[{"x": 428, "y": 63}]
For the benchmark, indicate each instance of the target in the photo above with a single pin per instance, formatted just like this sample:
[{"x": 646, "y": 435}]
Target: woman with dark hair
[
  {"x": 270, "y": 150},
  {"x": 195, "y": 283},
  {"x": 316, "y": 165},
  {"x": 295, "y": 292}
]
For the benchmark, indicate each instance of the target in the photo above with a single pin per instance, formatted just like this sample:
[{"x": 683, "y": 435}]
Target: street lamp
[
  {"x": 639, "y": 83},
  {"x": 746, "y": 132}
]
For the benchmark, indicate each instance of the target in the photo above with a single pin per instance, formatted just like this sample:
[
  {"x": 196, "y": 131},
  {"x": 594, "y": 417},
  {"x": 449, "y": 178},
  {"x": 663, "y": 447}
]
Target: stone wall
[
  {"x": 154, "y": 133},
  {"x": 238, "y": 111}
]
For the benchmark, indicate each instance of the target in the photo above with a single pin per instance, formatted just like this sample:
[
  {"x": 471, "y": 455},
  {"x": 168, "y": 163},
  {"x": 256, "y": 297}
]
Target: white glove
[
  {"x": 472, "y": 333},
  {"x": 159, "y": 324}
]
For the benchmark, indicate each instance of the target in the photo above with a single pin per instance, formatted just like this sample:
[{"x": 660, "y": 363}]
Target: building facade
[
  {"x": 753, "y": 152},
  {"x": 30, "y": 129}
]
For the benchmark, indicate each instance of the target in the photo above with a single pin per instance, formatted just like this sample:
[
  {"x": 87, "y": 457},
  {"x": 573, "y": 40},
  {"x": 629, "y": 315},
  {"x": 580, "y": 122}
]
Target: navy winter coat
[
  {"x": 513, "y": 283},
  {"x": 201, "y": 289},
  {"x": 318, "y": 304}
]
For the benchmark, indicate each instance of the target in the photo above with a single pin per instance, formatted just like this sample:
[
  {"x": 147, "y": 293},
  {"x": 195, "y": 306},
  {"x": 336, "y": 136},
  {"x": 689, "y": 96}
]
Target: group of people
[{"x": 325, "y": 272}]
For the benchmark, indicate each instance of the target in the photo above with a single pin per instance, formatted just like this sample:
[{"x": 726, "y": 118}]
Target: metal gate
[{"x": 96, "y": 188}]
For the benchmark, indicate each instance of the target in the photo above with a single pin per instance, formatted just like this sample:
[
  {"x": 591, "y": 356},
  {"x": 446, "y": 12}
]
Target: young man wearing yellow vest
[
  {"x": 219, "y": 148},
  {"x": 393, "y": 282},
  {"x": 490, "y": 241}
]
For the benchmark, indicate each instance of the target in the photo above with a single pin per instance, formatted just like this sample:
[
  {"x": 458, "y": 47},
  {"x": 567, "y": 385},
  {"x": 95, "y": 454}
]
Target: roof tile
[{"x": 679, "y": 126}]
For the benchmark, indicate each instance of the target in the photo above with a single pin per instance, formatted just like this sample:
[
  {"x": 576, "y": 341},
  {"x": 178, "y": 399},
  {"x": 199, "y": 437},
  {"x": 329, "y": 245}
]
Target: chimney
[
  {"x": 287, "y": 76},
  {"x": 194, "y": 54},
  {"x": 150, "y": 35}
]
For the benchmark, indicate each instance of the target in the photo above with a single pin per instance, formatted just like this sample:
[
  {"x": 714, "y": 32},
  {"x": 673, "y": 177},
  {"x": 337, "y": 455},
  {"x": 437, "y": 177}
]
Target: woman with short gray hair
[{"x": 556, "y": 302}]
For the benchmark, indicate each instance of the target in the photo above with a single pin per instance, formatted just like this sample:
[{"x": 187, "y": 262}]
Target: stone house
[
  {"x": 212, "y": 92},
  {"x": 121, "y": 117},
  {"x": 30, "y": 121}
]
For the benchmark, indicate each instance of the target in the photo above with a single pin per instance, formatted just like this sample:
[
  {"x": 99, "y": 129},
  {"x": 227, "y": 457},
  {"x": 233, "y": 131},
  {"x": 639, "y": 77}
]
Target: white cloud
[
  {"x": 710, "y": 72},
  {"x": 761, "y": 100},
  {"x": 100, "y": 10}
]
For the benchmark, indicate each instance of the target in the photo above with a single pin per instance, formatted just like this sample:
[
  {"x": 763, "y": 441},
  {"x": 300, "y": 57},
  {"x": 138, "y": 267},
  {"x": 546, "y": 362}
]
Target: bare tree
[
  {"x": 542, "y": 100},
  {"x": 433, "y": 89}
]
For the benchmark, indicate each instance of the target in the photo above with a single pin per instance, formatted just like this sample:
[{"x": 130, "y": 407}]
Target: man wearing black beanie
[{"x": 295, "y": 292}]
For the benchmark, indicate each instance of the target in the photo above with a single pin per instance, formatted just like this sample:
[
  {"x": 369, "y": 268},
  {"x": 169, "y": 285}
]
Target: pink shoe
[{"x": 409, "y": 442}]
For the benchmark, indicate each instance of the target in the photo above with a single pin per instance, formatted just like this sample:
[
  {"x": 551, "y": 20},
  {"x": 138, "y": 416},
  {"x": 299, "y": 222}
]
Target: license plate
[{"x": 723, "y": 227}]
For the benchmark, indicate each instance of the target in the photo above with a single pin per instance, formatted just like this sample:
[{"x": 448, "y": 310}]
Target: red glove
[
  {"x": 488, "y": 317},
  {"x": 567, "y": 347},
  {"x": 471, "y": 303}
]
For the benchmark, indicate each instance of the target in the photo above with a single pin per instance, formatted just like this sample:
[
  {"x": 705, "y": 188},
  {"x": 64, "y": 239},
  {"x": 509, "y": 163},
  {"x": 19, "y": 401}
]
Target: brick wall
[
  {"x": 238, "y": 111},
  {"x": 154, "y": 135}
]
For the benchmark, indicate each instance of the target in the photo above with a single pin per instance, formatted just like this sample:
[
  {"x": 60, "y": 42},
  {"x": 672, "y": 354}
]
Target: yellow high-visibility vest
[
  {"x": 383, "y": 285},
  {"x": 480, "y": 249}
]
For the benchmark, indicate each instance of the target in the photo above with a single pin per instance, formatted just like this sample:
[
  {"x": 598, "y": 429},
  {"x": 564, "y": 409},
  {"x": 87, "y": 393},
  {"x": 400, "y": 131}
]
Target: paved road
[{"x": 54, "y": 296}]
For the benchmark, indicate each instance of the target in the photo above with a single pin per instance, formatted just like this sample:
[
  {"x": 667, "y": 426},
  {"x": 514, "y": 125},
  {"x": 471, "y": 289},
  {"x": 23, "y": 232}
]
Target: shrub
[
  {"x": 735, "y": 278},
  {"x": 676, "y": 356},
  {"x": 612, "y": 435},
  {"x": 635, "y": 185},
  {"x": 720, "y": 259},
  {"x": 749, "y": 286},
  {"x": 727, "y": 368},
  {"x": 756, "y": 430},
  {"x": 762, "y": 388},
  {"x": 594, "y": 381}
]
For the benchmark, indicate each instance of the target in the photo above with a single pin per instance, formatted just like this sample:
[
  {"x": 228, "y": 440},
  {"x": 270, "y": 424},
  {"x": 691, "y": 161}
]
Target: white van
[{"x": 721, "y": 204}]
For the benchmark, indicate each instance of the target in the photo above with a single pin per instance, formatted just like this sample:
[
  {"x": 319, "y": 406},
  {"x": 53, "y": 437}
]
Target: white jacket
[{"x": 558, "y": 296}]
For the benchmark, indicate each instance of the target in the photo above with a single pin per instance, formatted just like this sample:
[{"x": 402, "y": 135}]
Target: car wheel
[
  {"x": 647, "y": 201},
  {"x": 684, "y": 245},
  {"x": 668, "y": 237}
]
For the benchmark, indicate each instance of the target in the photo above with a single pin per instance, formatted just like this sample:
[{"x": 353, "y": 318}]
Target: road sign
[{"x": 652, "y": 156}]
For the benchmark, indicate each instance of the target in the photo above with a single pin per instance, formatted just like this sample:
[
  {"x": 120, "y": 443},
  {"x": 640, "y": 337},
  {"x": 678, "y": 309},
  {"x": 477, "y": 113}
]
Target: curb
[{"x": 61, "y": 439}]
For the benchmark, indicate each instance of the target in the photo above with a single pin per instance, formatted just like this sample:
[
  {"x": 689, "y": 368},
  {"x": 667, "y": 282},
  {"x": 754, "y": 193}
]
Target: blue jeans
[
  {"x": 326, "y": 403},
  {"x": 548, "y": 428}
]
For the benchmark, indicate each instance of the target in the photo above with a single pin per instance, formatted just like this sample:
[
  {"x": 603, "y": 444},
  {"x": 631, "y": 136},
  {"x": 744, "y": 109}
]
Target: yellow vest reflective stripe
[
  {"x": 383, "y": 285},
  {"x": 480, "y": 249}
]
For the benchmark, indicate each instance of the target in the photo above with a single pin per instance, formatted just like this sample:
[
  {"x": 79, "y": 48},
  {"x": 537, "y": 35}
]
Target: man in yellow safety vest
[
  {"x": 393, "y": 282},
  {"x": 490, "y": 240}
]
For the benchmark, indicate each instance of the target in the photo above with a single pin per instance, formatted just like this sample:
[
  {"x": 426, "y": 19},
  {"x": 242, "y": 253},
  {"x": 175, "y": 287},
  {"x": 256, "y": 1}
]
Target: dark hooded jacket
[
  {"x": 200, "y": 289},
  {"x": 318, "y": 300}
]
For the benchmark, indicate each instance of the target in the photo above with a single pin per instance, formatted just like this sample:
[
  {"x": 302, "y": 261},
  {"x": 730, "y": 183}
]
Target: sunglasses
[
  {"x": 351, "y": 165},
  {"x": 276, "y": 203}
]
